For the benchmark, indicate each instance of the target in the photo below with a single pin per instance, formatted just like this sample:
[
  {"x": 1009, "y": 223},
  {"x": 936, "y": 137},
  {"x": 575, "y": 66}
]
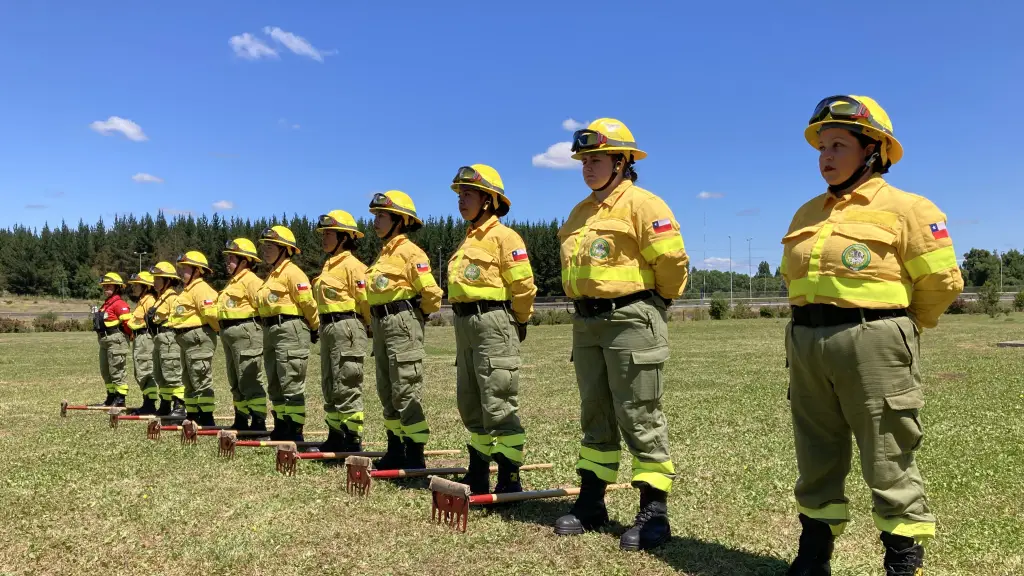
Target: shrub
[
  {"x": 46, "y": 322},
  {"x": 12, "y": 326},
  {"x": 551, "y": 317},
  {"x": 743, "y": 311},
  {"x": 959, "y": 306},
  {"x": 85, "y": 325},
  {"x": 768, "y": 312},
  {"x": 1018, "y": 301},
  {"x": 988, "y": 297},
  {"x": 719, "y": 309},
  {"x": 438, "y": 319}
]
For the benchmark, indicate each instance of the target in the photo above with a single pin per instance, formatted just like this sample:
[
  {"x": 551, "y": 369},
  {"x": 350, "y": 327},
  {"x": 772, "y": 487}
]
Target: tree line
[{"x": 68, "y": 261}]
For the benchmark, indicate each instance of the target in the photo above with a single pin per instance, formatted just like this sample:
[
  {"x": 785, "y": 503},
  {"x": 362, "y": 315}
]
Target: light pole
[
  {"x": 140, "y": 255},
  {"x": 730, "y": 270},
  {"x": 750, "y": 273}
]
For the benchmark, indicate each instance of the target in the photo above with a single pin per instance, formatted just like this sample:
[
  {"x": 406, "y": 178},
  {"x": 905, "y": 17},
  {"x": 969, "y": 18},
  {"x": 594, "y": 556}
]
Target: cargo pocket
[
  {"x": 409, "y": 366},
  {"x": 297, "y": 360},
  {"x": 503, "y": 381},
  {"x": 901, "y": 427},
  {"x": 200, "y": 363},
  {"x": 646, "y": 373}
]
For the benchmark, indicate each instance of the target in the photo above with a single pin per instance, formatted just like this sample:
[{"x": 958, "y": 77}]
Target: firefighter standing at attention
[
  {"x": 142, "y": 341},
  {"x": 110, "y": 322},
  {"x": 195, "y": 327}
]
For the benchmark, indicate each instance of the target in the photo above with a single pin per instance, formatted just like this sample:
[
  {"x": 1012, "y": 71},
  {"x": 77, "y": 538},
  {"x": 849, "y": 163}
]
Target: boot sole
[
  {"x": 651, "y": 546},
  {"x": 569, "y": 531}
]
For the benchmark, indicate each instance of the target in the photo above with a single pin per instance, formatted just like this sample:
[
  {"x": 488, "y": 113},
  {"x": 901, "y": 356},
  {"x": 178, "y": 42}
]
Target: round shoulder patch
[
  {"x": 472, "y": 272},
  {"x": 600, "y": 249}
]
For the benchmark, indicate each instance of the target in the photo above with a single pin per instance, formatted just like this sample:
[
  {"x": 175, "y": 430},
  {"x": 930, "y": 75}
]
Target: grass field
[{"x": 80, "y": 498}]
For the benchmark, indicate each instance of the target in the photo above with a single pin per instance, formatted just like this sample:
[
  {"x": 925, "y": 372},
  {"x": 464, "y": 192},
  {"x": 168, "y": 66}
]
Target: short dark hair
[{"x": 877, "y": 165}]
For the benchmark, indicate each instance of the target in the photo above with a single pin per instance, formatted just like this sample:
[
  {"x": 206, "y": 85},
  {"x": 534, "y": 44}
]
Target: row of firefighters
[{"x": 867, "y": 265}]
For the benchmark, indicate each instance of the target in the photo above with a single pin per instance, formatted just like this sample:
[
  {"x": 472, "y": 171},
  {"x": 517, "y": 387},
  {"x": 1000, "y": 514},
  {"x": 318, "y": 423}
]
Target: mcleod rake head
[
  {"x": 226, "y": 440},
  {"x": 357, "y": 472},
  {"x": 449, "y": 503}
]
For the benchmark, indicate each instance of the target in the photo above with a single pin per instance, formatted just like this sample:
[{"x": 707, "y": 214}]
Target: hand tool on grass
[
  {"x": 359, "y": 476},
  {"x": 155, "y": 427},
  {"x": 227, "y": 441},
  {"x": 450, "y": 501},
  {"x": 116, "y": 416},
  {"x": 287, "y": 460},
  {"x": 65, "y": 406}
]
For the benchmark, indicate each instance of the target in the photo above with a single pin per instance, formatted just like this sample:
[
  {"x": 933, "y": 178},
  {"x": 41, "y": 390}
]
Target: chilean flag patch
[
  {"x": 423, "y": 267},
  {"x": 939, "y": 231},
  {"x": 519, "y": 255},
  {"x": 663, "y": 225},
  {"x": 207, "y": 302},
  {"x": 302, "y": 287},
  {"x": 360, "y": 284}
]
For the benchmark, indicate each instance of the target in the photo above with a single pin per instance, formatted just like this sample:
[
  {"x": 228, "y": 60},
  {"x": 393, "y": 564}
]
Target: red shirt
[{"x": 116, "y": 311}]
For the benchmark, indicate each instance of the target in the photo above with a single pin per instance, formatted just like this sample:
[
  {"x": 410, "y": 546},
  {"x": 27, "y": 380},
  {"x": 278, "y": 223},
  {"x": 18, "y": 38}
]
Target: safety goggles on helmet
[
  {"x": 586, "y": 139},
  {"x": 326, "y": 220},
  {"x": 381, "y": 201},
  {"x": 270, "y": 234},
  {"x": 844, "y": 108},
  {"x": 470, "y": 175}
]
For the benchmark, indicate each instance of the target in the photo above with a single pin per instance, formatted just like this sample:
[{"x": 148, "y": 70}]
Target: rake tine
[
  {"x": 63, "y": 408},
  {"x": 449, "y": 503},
  {"x": 189, "y": 433},
  {"x": 113, "y": 417},
  {"x": 153, "y": 430},
  {"x": 357, "y": 469},
  {"x": 226, "y": 443},
  {"x": 286, "y": 461}
]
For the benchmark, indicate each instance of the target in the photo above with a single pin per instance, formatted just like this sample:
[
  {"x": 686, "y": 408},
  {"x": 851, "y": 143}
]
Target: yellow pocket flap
[
  {"x": 801, "y": 232},
  {"x": 611, "y": 226},
  {"x": 410, "y": 355},
  {"x": 865, "y": 232},
  {"x": 889, "y": 220},
  {"x": 650, "y": 356},
  {"x": 912, "y": 399},
  {"x": 298, "y": 353},
  {"x": 504, "y": 362}
]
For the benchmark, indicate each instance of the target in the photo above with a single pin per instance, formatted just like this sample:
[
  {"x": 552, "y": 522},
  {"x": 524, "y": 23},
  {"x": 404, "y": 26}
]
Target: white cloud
[
  {"x": 710, "y": 195},
  {"x": 572, "y": 125},
  {"x": 250, "y": 47},
  {"x": 176, "y": 212},
  {"x": 143, "y": 177},
  {"x": 131, "y": 130},
  {"x": 223, "y": 205},
  {"x": 297, "y": 44},
  {"x": 715, "y": 263},
  {"x": 558, "y": 156}
]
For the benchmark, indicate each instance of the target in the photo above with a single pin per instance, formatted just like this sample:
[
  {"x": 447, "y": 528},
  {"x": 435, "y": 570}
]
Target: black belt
[
  {"x": 107, "y": 332},
  {"x": 180, "y": 331},
  {"x": 330, "y": 317},
  {"x": 589, "y": 307},
  {"x": 140, "y": 331},
  {"x": 229, "y": 322},
  {"x": 820, "y": 315},
  {"x": 384, "y": 310},
  {"x": 478, "y": 307},
  {"x": 279, "y": 319}
]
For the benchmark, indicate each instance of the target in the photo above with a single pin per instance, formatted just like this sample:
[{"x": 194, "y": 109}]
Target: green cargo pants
[
  {"x": 113, "y": 356},
  {"x": 197, "y": 348},
  {"x": 342, "y": 349},
  {"x": 243, "y": 355},
  {"x": 862, "y": 378},
  {"x": 619, "y": 357},
  {"x": 167, "y": 367},
  {"x": 487, "y": 383},
  {"x": 398, "y": 348},
  {"x": 142, "y": 356},
  {"x": 285, "y": 354}
]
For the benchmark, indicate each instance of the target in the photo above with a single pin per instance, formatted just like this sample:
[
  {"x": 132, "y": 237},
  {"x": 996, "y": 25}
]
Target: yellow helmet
[
  {"x": 164, "y": 269},
  {"x": 241, "y": 247},
  {"x": 338, "y": 220},
  {"x": 859, "y": 114},
  {"x": 487, "y": 179},
  {"x": 194, "y": 258},
  {"x": 605, "y": 135},
  {"x": 144, "y": 278},
  {"x": 397, "y": 202},
  {"x": 280, "y": 235},
  {"x": 111, "y": 278}
]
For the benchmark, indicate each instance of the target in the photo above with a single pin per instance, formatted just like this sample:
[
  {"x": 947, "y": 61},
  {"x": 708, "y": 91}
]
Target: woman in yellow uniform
[
  {"x": 288, "y": 312},
  {"x": 868, "y": 266},
  {"x": 166, "y": 352},
  {"x": 195, "y": 327},
  {"x": 242, "y": 335},
  {"x": 623, "y": 262},
  {"x": 344, "y": 316},
  {"x": 402, "y": 292},
  {"x": 142, "y": 341},
  {"x": 490, "y": 287}
]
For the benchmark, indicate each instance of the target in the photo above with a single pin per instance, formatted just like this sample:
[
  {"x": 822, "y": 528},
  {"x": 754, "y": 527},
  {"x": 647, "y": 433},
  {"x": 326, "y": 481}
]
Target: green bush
[
  {"x": 988, "y": 299},
  {"x": 719, "y": 309},
  {"x": 551, "y": 317},
  {"x": 959, "y": 306},
  {"x": 438, "y": 319},
  {"x": 1018, "y": 301},
  {"x": 743, "y": 311},
  {"x": 768, "y": 312},
  {"x": 46, "y": 322},
  {"x": 85, "y": 325}
]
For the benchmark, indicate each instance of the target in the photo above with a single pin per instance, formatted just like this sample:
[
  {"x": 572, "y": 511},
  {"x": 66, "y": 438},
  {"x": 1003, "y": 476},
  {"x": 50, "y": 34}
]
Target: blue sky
[{"x": 269, "y": 109}]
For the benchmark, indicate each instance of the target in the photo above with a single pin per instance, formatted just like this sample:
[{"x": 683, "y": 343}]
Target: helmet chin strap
[
  {"x": 841, "y": 188},
  {"x": 615, "y": 173},
  {"x": 394, "y": 225},
  {"x": 480, "y": 213}
]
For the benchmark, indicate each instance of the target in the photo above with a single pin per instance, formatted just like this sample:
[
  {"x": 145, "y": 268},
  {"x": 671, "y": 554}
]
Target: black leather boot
[
  {"x": 106, "y": 401},
  {"x": 413, "y": 455},
  {"x": 177, "y": 409},
  {"x": 334, "y": 442},
  {"x": 118, "y": 401},
  {"x": 508, "y": 476},
  {"x": 280, "y": 428},
  {"x": 816, "y": 545},
  {"x": 241, "y": 421},
  {"x": 903, "y": 556},
  {"x": 205, "y": 419},
  {"x": 394, "y": 458},
  {"x": 350, "y": 442},
  {"x": 478, "y": 476},
  {"x": 589, "y": 511},
  {"x": 164, "y": 409},
  {"x": 148, "y": 407},
  {"x": 650, "y": 528},
  {"x": 258, "y": 423}
]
